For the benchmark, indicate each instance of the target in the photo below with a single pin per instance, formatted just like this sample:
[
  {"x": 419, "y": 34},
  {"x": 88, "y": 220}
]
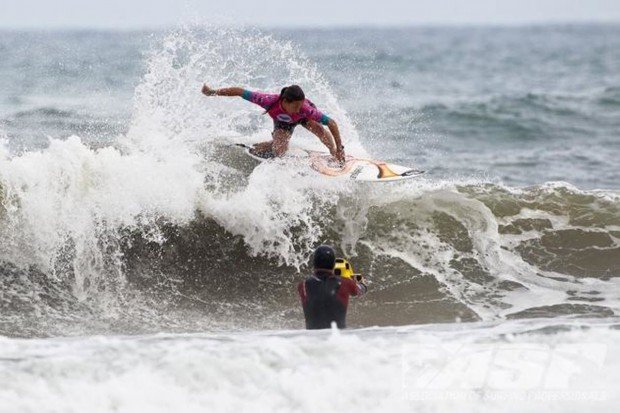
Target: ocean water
[{"x": 148, "y": 265}]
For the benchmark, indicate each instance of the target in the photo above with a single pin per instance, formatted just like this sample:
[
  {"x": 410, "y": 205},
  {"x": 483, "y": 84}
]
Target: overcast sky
[{"x": 129, "y": 14}]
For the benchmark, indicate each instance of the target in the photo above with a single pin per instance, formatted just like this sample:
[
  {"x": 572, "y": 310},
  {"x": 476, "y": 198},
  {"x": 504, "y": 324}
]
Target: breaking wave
[{"x": 171, "y": 227}]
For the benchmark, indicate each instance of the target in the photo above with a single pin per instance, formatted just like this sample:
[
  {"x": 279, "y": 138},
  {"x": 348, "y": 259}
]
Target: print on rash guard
[{"x": 269, "y": 102}]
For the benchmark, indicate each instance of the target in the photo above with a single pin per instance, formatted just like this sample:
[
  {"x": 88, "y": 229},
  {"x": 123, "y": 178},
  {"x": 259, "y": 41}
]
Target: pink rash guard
[{"x": 281, "y": 119}]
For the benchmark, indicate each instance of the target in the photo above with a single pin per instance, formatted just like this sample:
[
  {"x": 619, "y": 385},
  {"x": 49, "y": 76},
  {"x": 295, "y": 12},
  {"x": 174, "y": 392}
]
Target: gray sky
[{"x": 128, "y": 14}]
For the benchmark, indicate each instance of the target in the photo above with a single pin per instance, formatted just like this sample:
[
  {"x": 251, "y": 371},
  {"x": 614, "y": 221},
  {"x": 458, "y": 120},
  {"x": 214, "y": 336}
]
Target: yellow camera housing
[{"x": 343, "y": 268}]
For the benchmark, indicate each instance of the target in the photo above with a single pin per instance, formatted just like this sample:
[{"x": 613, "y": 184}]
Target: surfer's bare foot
[
  {"x": 262, "y": 147},
  {"x": 262, "y": 150},
  {"x": 340, "y": 155}
]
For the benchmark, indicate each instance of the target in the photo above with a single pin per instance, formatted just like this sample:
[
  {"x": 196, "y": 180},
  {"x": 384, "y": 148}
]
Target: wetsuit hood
[{"x": 324, "y": 258}]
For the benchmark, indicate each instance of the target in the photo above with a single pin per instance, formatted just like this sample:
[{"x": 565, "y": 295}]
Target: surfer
[
  {"x": 325, "y": 295},
  {"x": 288, "y": 109}
]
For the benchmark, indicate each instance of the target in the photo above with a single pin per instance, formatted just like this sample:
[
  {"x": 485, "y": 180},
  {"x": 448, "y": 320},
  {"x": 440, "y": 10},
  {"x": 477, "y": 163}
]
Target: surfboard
[{"x": 354, "y": 168}]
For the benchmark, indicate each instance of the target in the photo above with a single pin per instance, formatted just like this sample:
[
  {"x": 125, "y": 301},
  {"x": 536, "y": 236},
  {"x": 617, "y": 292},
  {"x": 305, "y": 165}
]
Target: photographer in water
[{"x": 325, "y": 294}]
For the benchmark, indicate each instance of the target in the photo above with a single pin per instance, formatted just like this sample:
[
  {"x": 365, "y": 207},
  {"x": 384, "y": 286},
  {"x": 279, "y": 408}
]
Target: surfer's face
[{"x": 292, "y": 106}]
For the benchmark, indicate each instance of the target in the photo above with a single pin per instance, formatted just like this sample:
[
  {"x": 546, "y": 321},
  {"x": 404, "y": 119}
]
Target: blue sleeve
[
  {"x": 325, "y": 119},
  {"x": 247, "y": 94}
]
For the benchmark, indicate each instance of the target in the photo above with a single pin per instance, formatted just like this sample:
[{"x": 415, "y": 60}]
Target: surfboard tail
[{"x": 412, "y": 172}]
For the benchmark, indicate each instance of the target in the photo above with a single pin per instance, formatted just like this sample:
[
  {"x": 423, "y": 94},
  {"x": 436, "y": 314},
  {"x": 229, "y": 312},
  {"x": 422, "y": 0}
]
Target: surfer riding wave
[{"x": 288, "y": 109}]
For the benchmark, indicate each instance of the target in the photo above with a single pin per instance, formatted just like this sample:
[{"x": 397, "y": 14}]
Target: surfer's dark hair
[{"x": 292, "y": 93}]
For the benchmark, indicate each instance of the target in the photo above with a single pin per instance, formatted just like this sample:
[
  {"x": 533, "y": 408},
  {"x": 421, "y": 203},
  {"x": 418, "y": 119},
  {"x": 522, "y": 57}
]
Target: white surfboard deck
[{"x": 356, "y": 169}]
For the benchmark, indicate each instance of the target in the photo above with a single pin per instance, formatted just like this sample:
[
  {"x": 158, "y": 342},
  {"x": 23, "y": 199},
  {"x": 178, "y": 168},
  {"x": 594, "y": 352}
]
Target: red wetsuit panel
[{"x": 347, "y": 288}]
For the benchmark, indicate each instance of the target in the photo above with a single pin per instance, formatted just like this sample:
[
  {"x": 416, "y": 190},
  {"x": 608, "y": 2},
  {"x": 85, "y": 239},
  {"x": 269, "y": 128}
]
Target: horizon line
[{"x": 352, "y": 26}]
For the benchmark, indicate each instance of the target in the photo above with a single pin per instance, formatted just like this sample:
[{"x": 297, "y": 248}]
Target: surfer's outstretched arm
[{"x": 225, "y": 91}]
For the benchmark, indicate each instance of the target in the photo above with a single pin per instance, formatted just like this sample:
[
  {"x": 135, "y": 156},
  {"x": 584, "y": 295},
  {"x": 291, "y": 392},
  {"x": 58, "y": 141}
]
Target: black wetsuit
[{"x": 325, "y": 298}]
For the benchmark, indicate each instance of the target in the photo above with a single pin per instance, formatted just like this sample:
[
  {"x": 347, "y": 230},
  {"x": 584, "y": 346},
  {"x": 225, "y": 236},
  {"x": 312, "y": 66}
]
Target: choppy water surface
[{"x": 124, "y": 210}]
